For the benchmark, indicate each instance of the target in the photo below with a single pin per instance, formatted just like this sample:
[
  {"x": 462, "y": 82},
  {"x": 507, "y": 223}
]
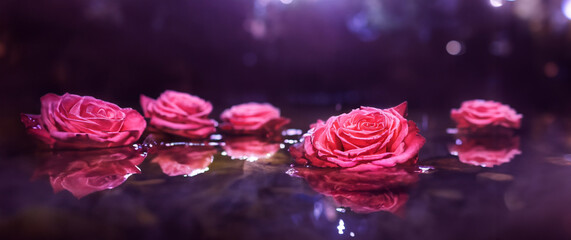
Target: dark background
[{"x": 311, "y": 58}]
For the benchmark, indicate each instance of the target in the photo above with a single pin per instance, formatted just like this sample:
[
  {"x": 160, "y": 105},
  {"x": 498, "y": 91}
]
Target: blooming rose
[
  {"x": 480, "y": 113},
  {"x": 85, "y": 172},
  {"x": 250, "y": 147},
  {"x": 184, "y": 160},
  {"x": 72, "y": 121},
  {"x": 486, "y": 151},
  {"x": 362, "y": 192},
  {"x": 364, "y": 139},
  {"x": 252, "y": 118},
  {"x": 180, "y": 114}
]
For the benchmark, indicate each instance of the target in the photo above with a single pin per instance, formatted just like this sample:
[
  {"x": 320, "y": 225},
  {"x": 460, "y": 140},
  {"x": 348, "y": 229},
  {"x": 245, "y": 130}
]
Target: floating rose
[
  {"x": 364, "y": 139},
  {"x": 249, "y": 148},
  {"x": 85, "y": 172},
  {"x": 72, "y": 121},
  {"x": 476, "y": 114},
  {"x": 252, "y": 119},
  {"x": 184, "y": 160},
  {"x": 486, "y": 151},
  {"x": 362, "y": 192},
  {"x": 179, "y": 114}
]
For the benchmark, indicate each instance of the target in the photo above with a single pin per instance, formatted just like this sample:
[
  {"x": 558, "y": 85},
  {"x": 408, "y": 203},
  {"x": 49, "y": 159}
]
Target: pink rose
[
  {"x": 184, "y": 160},
  {"x": 486, "y": 151},
  {"x": 179, "y": 114},
  {"x": 362, "y": 192},
  {"x": 249, "y": 148},
  {"x": 72, "y": 121},
  {"x": 85, "y": 172},
  {"x": 365, "y": 139},
  {"x": 252, "y": 118},
  {"x": 480, "y": 113}
]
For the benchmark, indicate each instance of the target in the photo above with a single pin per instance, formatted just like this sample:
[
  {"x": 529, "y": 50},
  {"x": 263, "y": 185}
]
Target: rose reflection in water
[
  {"x": 362, "y": 192},
  {"x": 184, "y": 160},
  {"x": 86, "y": 172},
  {"x": 250, "y": 148},
  {"x": 486, "y": 151}
]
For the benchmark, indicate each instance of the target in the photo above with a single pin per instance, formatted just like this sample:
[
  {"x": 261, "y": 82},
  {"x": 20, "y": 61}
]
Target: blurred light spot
[
  {"x": 317, "y": 209},
  {"x": 361, "y": 26},
  {"x": 286, "y": 1},
  {"x": 496, "y": 3},
  {"x": 249, "y": 59},
  {"x": 257, "y": 28},
  {"x": 458, "y": 142},
  {"x": 451, "y": 130},
  {"x": 352, "y": 234},
  {"x": 341, "y": 226},
  {"x": 566, "y": 8},
  {"x": 215, "y": 137},
  {"x": 551, "y": 69},
  {"x": 454, "y": 48},
  {"x": 340, "y": 209},
  {"x": 500, "y": 47}
]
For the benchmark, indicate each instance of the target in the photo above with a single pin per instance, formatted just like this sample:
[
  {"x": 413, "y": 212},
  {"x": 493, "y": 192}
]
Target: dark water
[
  {"x": 245, "y": 188},
  {"x": 312, "y": 59}
]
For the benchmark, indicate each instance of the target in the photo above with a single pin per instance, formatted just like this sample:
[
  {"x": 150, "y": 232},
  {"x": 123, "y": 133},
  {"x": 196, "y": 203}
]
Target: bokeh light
[
  {"x": 566, "y": 8},
  {"x": 454, "y": 48},
  {"x": 496, "y": 3}
]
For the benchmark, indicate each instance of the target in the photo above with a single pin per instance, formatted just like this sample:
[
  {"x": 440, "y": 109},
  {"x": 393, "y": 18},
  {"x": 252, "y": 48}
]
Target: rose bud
[
  {"x": 365, "y": 139},
  {"x": 179, "y": 114},
  {"x": 86, "y": 172},
  {"x": 252, "y": 119},
  {"x": 184, "y": 160},
  {"x": 363, "y": 192},
  {"x": 478, "y": 114},
  {"x": 72, "y": 121}
]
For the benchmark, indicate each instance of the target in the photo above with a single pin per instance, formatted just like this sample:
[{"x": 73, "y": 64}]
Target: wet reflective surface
[
  {"x": 246, "y": 188},
  {"x": 312, "y": 59}
]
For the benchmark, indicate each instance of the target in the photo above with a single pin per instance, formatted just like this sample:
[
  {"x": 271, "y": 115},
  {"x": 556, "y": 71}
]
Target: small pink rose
[
  {"x": 179, "y": 114},
  {"x": 86, "y": 172},
  {"x": 362, "y": 192},
  {"x": 486, "y": 151},
  {"x": 481, "y": 113},
  {"x": 253, "y": 119},
  {"x": 72, "y": 121},
  {"x": 184, "y": 160},
  {"x": 365, "y": 139},
  {"x": 249, "y": 147}
]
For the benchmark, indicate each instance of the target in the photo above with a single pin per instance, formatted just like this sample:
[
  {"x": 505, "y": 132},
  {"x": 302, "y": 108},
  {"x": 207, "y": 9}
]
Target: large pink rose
[
  {"x": 480, "y": 114},
  {"x": 184, "y": 160},
  {"x": 362, "y": 192},
  {"x": 85, "y": 172},
  {"x": 364, "y": 139},
  {"x": 180, "y": 114},
  {"x": 486, "y": 151},
  {"x": 72, "y": 121},
  {"x": 249, "y": 148},
  {"x": 252, "y": 118}
]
